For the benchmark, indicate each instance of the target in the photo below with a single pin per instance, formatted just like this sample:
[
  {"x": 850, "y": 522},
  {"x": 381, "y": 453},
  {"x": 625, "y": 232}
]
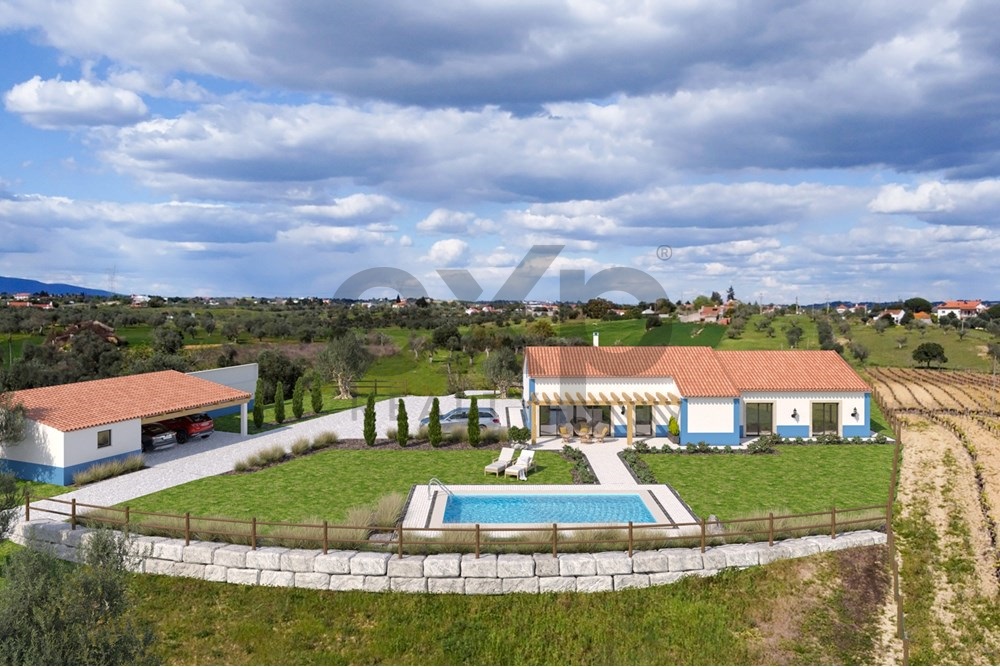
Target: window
[
  {"x": 644, "y": 420},
  {"x": 760, "y": 419},
  {"x": 104, "y": 438},
  {"x": 825, "y": 418}
]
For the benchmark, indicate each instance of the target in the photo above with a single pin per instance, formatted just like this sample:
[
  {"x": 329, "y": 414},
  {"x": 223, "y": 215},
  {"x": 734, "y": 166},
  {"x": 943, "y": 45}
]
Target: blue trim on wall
[
  {"x": 661, "y": 431},
  {"x": 720, "y": 439},
  {"x": 864, "y": 429},
  {"x": 793, "y": 430},
  {"x": 39, "y": 472},
  {"x": 621, "y": 431}
]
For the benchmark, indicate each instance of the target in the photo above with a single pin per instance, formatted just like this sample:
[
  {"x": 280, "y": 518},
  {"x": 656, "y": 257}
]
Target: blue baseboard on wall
[
  {"x": 39, "y": 472},
  {"x": 620, "y": 431},
  {"x": 793, "y": 431}
]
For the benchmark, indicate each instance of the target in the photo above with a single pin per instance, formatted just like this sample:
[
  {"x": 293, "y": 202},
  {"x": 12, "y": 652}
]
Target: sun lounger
[
  {"x": 524, "y": 463},
  {"x": 501, "y": 462}
]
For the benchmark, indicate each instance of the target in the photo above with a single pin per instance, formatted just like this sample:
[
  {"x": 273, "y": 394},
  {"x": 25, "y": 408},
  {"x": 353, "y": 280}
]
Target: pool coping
[{"x": 425, "y": 509}]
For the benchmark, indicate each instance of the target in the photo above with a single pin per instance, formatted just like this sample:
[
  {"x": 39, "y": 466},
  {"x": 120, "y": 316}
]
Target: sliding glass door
[{"x": 760, "y": 419}]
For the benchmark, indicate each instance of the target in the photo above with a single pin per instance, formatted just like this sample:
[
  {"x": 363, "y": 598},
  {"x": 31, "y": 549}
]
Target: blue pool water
[{"x": 547, "y": 508}]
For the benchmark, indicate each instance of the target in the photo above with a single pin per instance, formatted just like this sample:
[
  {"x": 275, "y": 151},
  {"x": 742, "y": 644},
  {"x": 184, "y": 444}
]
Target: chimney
[{"x": 597, "y": 337}]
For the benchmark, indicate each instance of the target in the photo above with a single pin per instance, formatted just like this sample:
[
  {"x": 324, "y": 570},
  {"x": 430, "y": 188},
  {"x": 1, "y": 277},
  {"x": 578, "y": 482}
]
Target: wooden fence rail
[{"x": 255, "y": 532}]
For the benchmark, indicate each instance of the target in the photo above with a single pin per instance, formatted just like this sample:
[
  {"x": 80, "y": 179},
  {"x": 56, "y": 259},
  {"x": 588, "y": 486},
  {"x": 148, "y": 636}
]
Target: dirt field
[{"x": 948, "y": 494}]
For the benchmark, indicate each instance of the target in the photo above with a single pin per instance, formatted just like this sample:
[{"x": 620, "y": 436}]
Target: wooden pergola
[{"x": 627, "y": 399}]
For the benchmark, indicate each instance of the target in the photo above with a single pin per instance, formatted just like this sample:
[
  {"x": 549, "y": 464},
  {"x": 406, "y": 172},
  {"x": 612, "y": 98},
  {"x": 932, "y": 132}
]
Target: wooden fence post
[
  {"x": 703, "y": 534},
  {"x": 555, "y": 540},
  {"x": 477, "y": 540},
  {"x": 72, "y": 516},
  {"x": 833, "y": 523},
  {"x": 253, "y": 533},
  {"x": 27, "y": 505},
  {"x": 630, "y": 539},
  {"x": 326, "y": 536},
  {"x": 400, "y": 540},
  {"x": 770, "y": 529},
  {"x": 187, "y": 528}
]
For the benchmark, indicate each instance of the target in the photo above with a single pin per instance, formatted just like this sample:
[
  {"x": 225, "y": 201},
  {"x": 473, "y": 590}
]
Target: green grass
[
  {"x": 613, "y": 332},
  {"x": 751, "y": 339},
  {"x": 327, "y": 484},
  {"x": 40, "y": 490},
  {"x": 726, "y": 619},
  {"x": 684, "y": 333},
  {"x": 800, "y": 478}
]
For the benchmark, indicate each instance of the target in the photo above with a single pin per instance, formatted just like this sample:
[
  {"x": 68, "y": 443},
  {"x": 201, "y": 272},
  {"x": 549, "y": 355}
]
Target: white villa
[{"x": 718, "y": 397}]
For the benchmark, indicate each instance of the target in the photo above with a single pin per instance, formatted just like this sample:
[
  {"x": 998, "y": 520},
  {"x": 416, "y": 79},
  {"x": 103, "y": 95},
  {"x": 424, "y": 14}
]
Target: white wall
[
  {"x": 81, "y": 446},
  {"x": 41, "y": 444},
  {"x": 785, "y": 403},
  {"x": 243, "y": 377},
  {"x": 709, "y": 415},
  {"x": 596, "y": 386}
]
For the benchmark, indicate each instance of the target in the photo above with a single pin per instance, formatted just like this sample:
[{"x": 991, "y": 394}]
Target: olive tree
[{"x": 344, "y": 359}]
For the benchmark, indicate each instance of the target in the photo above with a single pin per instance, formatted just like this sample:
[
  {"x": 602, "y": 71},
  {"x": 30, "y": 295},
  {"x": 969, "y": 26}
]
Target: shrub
[
  {"x": 298, "y": 397},
  {"x": 279, "y": 403},
  {"x": 474, "y": 422},
  {"x": 519, "y": 434},
  {"x": 325, "y": 439},
  {"x": 301, "y": 446},
  {"x": 673, "y": 427},
  {"x": 316, "y": 395},
  {"x": 642, "y": 447},
  {"x": 493, "y": 436},
  {"x": 434, "y": 424},
  {"x": 403, "y": 425},
  {"x": 370, "y": 421},
  {"x": 391, "y": 433},
  {"x": 881, "y": 439},
  {"x": 705, "y": 448},
  {"x": 109, "y": 469},
  {"x": 639, "y": 468},
  {"x": 761, "y": 446}
]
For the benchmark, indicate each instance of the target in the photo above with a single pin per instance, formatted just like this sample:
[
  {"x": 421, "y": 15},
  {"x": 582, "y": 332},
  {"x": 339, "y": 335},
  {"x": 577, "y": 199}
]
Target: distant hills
[{"x": 17, "y": 285}]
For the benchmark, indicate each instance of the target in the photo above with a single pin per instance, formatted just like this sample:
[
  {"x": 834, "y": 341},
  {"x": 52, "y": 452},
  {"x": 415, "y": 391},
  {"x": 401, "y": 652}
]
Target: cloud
[
  {"x": 447, "y": 253},
  {"x": 359, "y": 207},
  {"x": 942, "y": 202},
  {"x": 54, "y": 104}
]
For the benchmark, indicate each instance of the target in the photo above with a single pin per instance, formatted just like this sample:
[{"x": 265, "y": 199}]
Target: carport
[{"x": 71, "y": 427}]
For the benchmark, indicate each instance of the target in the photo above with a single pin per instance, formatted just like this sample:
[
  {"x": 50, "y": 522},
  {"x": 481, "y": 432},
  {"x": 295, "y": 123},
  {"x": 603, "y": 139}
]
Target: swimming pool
[{"x": 547, "y": 508}]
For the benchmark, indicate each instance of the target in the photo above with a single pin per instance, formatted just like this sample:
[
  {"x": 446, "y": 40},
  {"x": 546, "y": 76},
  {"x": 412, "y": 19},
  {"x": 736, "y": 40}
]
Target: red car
[{"x": 191, "y": 426}]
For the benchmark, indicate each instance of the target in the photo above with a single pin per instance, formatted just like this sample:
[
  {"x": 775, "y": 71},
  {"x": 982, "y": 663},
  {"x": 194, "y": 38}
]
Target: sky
[{"x": 808, "y": 150}]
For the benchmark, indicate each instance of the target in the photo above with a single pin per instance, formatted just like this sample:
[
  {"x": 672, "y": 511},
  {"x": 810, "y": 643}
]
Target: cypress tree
[
  {"x": 370, "y": 420},
  {"x": 434, "y": 424},
  {"x": 402, "y": 425},
  {"x": 474, "y": 421},
  {"x": 258, "y": 405},
  {"x": 316, "y": 396},
  {"x": 298, "y": 397},
  {"x": 279, "y": 402}
]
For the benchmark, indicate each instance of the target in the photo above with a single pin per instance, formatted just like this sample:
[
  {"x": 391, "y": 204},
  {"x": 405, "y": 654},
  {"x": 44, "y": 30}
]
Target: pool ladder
[{"x": 434, "y": 481}]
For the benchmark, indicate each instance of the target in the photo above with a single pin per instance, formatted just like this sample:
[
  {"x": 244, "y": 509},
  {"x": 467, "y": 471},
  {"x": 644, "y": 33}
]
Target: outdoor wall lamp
[
  {"x": 795, "y": 413},
  {"x": 855, "y": 413},
  {"x": 623, "y": 409}
]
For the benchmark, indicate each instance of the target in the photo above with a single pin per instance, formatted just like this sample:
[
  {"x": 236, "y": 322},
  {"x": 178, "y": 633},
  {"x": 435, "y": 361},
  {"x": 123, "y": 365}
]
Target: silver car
[{"x": 458, "y": 419}]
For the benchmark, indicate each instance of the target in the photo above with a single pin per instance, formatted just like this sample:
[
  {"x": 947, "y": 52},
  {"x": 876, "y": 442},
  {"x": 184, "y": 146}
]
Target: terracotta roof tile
[
  {"x": 70, "y": 407},
  {"x": 702, "y": 371},
  {"x": 790, "y": 370}
]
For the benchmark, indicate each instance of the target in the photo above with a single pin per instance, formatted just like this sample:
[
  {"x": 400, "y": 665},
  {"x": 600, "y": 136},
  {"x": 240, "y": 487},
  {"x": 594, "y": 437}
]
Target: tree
[
  {"x": 298, "y": 397},
  {"x": 258, "y": 404},
  {"x": 316, "y": 394},
  {"x": 473, "y": 421},
  {"x": 918, "y": 305},
  {"x": 881, "y": 324},
  {"x": 370, "y": 421},
  {"x": 730, "y": 294},
  {"x": 541, "y": 329},
  {"x": 274, "y": 366},
  {"x": 344, "y": 359},
  {"x": 11, "y": 419},
  {"x": 10, "y": 503},
  {"x": 653, "y": 321},
  {"x": 928, "y": 352},
  {"x": 716, "y": 298},
  {"x": 417, "y": 344},
  {"x": 402, "y": 425},
  {"x": 167, "y": 339},
  {"x": 434, "y": 424},
  {"x": 901, "y": 342},
  {"x": 231, "y": 331},
  {"x": 502, "y": 370},
  {"x": 793, "y": 334},
  {"x": 52, "y": 613},
  {"x": 279, "y": 403},
  {"x": 859, "y": 351}
]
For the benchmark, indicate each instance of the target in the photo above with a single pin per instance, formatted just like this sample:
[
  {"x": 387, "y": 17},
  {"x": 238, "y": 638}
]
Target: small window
[{"x": 104, "y": 438}]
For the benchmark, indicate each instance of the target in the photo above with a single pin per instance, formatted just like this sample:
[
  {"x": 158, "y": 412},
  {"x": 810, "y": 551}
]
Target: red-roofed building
[
  {"x": 960, "y": 309},
  {"x": 717, "y": 397},
  {"x": 71, "y": 427}
]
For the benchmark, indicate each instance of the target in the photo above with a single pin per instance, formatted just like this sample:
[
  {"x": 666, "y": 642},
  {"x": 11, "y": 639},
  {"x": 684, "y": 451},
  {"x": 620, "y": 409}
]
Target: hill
[{"x": 16, "y": 285}]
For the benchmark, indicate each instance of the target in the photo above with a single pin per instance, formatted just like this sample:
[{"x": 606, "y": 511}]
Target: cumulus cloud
[
  {"x": 360, "y": 207},
  {"x": 447, "y": 253},
  {"x": 943, "y": 202},
  {"x": 54, "y": 103}
]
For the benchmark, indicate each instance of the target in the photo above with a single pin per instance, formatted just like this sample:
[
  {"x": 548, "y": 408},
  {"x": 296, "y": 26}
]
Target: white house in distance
[
  {"x": 960, "y": 309},
  {"x": 71, "y": 427},
  {"x": 717, "y": 397}
]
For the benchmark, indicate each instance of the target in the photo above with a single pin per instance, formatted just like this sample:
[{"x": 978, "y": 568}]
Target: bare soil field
[{"x": 948, "y": 494}]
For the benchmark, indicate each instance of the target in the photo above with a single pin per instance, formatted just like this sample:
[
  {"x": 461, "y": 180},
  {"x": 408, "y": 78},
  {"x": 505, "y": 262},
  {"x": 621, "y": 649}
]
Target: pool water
[{"x": 547, "y": 508}]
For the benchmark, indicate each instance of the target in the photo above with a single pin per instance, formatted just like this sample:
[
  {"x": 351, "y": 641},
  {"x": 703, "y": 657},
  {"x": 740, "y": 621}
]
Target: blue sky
[{"x": 808, "y": 150}]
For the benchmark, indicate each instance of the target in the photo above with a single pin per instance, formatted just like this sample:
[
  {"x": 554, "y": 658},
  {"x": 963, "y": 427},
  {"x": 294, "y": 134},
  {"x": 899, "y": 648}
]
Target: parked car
[
  {"x": 190, "y": 426},
  {"x": 157, "y": 436},
  {"x": 458, "y": 419}
]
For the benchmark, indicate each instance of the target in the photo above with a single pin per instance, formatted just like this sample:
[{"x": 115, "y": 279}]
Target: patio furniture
[
  {"x": 601, "y": 432},
  {"x": 585, "y": 433},
  {"x": 501, "y": 462},
  {"x": 525, "y": 462},
  {"x": 566, "y": 432}
]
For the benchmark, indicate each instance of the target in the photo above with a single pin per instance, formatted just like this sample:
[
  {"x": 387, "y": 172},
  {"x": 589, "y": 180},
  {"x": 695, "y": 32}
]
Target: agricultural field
[{"x": 948, "y": 497}]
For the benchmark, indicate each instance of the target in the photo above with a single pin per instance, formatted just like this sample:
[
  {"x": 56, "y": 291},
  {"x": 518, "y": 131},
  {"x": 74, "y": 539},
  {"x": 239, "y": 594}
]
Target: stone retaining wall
[{"x": 489, "y": 574}]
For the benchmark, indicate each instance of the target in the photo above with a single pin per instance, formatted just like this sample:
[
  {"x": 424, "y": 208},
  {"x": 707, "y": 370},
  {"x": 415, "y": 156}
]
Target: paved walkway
[{"x": 220, "y": 452}]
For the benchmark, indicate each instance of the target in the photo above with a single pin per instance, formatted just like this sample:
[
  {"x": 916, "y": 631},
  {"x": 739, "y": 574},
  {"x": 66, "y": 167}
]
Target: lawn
[
  {"x": 751, "y": 339},
  {"x": 684, "y": 333},
  {"x": 612, "y": 332},
  {"x": 327, "y": 484},
  {"x": 798, "y": 479}
]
